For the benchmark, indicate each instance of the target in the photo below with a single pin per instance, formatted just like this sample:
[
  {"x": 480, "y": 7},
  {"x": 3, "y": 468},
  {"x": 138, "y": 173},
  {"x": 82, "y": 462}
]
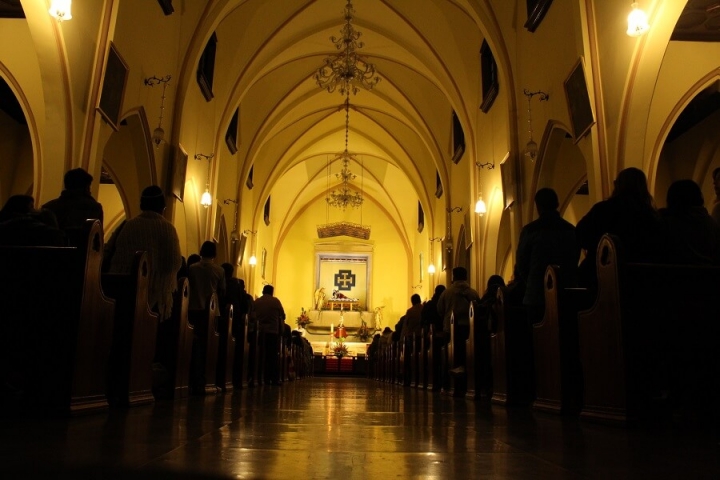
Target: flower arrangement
[
  {"x": 340, "y": 349},
  {"x": 303, "y": 320},
  {"x": 363, "y": 333}
]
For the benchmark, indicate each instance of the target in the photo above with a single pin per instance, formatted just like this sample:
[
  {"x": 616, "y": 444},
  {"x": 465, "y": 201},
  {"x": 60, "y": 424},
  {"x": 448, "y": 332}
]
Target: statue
[
  {"x": 378, "y": 317},
  {"x": 319, "y": 298}
]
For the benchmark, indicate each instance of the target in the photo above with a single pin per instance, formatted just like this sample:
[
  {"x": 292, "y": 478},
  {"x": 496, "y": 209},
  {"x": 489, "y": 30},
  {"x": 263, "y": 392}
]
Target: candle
[{"x": 331, "y": 329}]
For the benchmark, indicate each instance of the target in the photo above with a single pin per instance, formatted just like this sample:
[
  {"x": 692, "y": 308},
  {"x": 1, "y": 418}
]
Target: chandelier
[
  {"x": 344, "y": 196},
  {"x": 347, "y": 71}
]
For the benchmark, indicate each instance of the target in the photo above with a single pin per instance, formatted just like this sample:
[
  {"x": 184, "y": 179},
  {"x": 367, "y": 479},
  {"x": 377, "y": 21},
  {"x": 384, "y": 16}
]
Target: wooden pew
[
  {"x": 434, "y": 354},
  {"x": 174, "y": 350},
  {"x": 134, "y": 335},
  {"x": 558, "y": 376},
  {"x": 226, "y": 351},
  {"x": 56, "y": 324},
  {"x": 205, "y": 348},
  {"x": 651, "y": 327},
  {"x": 242, "y": 353},
  {"x": 511, "y": 347},
  {"x": 454, "y": 368}
]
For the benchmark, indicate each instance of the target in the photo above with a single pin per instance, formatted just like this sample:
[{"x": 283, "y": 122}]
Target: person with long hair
[{"x": 630, "y": 214}]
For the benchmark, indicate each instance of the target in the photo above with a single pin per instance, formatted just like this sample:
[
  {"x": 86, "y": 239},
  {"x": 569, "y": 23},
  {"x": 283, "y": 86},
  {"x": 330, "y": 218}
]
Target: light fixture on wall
[
  {"x": 60, "y": 10},
  {"x": 454, "y": 209},
  {"x": 431, "y": 267},
  {"x": 531, "y": 148},
  {"x": 158, "y": 135},
  {"x": 346, "y": 71},
  {"x": 637, "y": 21},
  {"x": 253, "y": 259},
  {"x": 206, "y": 199},
  {"x": 480, "y": 207},
  {"x": 234, "y": 235}
]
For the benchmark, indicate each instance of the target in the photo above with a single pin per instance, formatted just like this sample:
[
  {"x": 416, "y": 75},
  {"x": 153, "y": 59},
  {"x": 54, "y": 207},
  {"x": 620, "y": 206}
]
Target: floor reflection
[{"x": 346, "y": 428}]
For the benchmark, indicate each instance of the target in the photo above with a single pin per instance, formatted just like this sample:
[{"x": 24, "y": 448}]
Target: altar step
[{"x": 331, "y": 365}]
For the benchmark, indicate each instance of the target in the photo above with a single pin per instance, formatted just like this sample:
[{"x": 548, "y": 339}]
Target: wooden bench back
[
  {"x": 56, "y": 322},
  {"x": 645, "y": 319}
]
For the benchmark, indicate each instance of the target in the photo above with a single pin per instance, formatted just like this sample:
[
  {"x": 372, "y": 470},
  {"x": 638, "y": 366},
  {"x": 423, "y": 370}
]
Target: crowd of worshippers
[
  {"x": 23, "y": 224},
  {"x": 683, "y": 232}
]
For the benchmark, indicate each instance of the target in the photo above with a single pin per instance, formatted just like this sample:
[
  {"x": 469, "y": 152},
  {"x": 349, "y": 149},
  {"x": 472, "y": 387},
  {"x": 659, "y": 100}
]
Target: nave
[{"x": 325, "y": 427}]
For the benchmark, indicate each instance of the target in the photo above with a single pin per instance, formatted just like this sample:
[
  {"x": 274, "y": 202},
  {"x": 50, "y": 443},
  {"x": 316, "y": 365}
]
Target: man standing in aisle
[{"x": 270, "y": 316}]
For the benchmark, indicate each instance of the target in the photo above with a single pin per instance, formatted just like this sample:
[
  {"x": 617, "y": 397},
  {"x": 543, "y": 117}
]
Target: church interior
[{"x": 351, "y": 153}]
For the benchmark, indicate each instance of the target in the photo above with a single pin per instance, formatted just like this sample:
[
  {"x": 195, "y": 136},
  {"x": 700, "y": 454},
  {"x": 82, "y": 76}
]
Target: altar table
[{"x": 343, "y": 304}]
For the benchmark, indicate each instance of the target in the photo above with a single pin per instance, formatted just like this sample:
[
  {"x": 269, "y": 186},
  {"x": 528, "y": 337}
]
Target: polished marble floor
[{"x": 348, "y": 428}]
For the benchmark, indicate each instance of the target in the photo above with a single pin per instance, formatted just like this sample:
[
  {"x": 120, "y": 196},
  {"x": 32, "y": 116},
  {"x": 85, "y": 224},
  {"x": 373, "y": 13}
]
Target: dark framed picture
[
  {"x": 179, "y": 168},
  {"x": 240, "y": 249},
  {"x": 507, "y": 172},
  {"x": 467, "y": 223},
  {"x": 113, "y": 87},
  {"x": 578, "y": 101},
  {"x": 536, "y": 10}
]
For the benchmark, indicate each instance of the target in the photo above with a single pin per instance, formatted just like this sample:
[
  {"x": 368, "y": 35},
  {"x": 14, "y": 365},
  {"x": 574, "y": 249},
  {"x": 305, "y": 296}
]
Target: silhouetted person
[
  {"x": 154, "y": 234},
  {"x": 75, "y": 204},
  {"x": 206, "y": 278},
  {"x": 715, "y": 212},
  {"x": 413, "y": 317},
  {"x": 630, "y": 214},
  {"x": 488, "y": 299},
  {"x": 455, "y": 302},
  {"x": 549, "y": 240},
  {"x": 430, "y": 316},
  {"x": 242, "y": 302},
  {"x": 22, "y": 225},
  {"x": 271, "y": 317},
  {"x": 693, "y": 235}
]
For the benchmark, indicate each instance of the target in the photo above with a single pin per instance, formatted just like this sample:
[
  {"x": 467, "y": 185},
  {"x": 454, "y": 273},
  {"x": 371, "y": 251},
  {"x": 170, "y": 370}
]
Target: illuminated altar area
[
  {"x": 342, "y": 298},
  {"x": 324, "y": 325}
]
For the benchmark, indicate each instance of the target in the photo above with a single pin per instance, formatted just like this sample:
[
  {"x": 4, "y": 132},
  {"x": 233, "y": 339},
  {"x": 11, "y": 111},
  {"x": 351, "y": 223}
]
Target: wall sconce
[
  {"x": 253, "y": 259},
  {"x": 454, "y": 209},
  {"x": 480, "y": 207},
  {"x": 234, "y": 235},
  {"x": 431, "y": 267},
  {"x": 531, "y": 148},
  {"x": 206, "y": 199},
  {"x": 158, "y": 135},
  {"x": 60, "y": 10},
  {"x": 637, "y": 22}
]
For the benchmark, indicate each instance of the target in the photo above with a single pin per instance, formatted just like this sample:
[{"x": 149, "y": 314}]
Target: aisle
[{"x": 343, "y": 428}]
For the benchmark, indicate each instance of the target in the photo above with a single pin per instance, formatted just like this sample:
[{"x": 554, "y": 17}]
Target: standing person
[
  {"x": 242, "y": 303},
  {"x": 715, "y": 213},
  {"x": 455, "y": 302},
  {"x": 549, "y": 240},
  {"x": 630, "y": 214},
  {"x": 271, "y": 317},
  {"x": 413, "y": 317},
  {"x": 693, "y": 235},
  {"x": 154, "y": 234},
  {"x": 205, "y": 278},
  {"x": 430, "y": 316},
  {"x": 75, "y": 204}
]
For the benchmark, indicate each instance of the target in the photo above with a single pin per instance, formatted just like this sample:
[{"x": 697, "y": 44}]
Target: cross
[{"x": 344, "y": 280}]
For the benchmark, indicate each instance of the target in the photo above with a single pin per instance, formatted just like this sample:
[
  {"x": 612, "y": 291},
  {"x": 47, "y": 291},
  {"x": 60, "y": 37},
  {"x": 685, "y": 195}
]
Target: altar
[
  {"x": 342, "y": 304},
  {"x": 322, "y": 320}
]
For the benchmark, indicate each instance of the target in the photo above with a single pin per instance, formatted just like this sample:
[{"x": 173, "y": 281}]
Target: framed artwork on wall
[
  {"x": 179, "y": 168},
  {"x": 536, "y": 10},
  {"x": 578, "y": 101},
  {"x": 507, "y": 172},
  {"x": 113, "y": 87}
]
